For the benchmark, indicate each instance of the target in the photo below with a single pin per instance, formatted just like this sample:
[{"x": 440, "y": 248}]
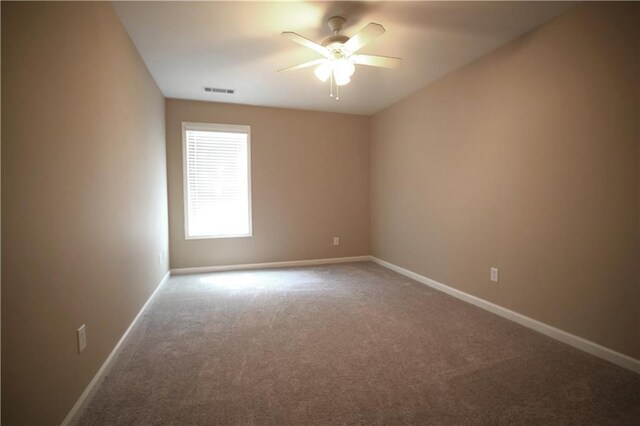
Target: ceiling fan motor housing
[{"x": 335, "y": 42}]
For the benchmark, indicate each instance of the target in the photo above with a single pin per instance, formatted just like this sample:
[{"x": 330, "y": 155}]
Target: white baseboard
[
  {"x": 555, "y": 333},
  {"x": 82, "y": 402},
  {"x": 203, "y": 269}
]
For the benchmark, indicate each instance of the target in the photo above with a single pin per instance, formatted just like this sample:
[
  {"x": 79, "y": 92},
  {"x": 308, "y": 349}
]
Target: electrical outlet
[
  {"x": 336, "y": 241},
  {"x": 494, "y": 275},
  {"x": 82, "y": 338}
]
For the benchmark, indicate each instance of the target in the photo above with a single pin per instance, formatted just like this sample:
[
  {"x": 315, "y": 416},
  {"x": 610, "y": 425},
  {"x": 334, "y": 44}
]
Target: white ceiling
[{"x": 237, "y": 45}]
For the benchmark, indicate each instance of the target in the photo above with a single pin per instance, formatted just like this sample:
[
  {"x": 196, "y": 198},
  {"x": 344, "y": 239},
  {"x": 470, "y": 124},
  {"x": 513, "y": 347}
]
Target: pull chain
[{"x": 331, "y": 86}]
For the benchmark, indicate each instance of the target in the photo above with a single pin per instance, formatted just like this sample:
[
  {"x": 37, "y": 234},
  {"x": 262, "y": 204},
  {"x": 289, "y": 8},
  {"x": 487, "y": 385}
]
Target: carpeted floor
[{"x": 347, "y": 344}]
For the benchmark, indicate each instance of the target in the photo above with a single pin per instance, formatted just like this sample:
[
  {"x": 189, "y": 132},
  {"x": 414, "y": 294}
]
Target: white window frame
[{"x": 213, "y": 127}]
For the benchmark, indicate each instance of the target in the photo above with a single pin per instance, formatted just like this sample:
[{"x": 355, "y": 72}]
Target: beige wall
[
  {"x": 310, "y": 182},
  {"x": 84, "y": 210},
  {"x": 526, "y": 160}
]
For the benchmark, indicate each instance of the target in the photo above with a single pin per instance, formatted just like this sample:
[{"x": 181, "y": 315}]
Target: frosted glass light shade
[
  {"x": 323, "y": 71},
  {"x": 343, "y": 68},
  {"x": 341, "y": 80}
]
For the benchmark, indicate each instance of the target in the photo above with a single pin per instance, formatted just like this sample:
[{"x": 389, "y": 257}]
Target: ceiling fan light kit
[{"x": 339, "y": 59}]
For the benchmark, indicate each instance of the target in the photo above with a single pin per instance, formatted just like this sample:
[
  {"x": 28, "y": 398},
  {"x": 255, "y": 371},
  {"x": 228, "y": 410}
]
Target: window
[{"x": 217, "y": 180}]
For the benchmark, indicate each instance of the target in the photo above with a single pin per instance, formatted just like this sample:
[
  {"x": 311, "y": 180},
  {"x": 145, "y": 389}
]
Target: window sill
[{"x": 216, "y": 237}]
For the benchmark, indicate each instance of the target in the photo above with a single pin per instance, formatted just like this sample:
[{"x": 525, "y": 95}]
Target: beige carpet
[{"x": 347, "y": 344}]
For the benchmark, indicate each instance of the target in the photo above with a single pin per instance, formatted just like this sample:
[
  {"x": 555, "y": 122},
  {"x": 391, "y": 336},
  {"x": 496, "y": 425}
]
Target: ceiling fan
[{"x": 338, "y": 52}]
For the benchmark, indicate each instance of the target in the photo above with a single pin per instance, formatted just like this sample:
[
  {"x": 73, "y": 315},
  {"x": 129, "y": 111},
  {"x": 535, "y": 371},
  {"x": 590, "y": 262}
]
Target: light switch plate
[
  {"x": 82, "y": 338},
  {"x": 494, "y": 275}
]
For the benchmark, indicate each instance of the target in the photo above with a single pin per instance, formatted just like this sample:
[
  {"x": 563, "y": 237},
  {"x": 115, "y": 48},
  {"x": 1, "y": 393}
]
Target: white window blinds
[{"x": 217, "y": 181}]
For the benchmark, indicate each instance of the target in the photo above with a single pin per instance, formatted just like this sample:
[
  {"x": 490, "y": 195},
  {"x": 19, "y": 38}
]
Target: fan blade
[
  {"x": 307, "y": 43},
  {"x": 305, "y": 65},
  {"x": 367, "y": 34},
  {"x": 376, "y": 61}
]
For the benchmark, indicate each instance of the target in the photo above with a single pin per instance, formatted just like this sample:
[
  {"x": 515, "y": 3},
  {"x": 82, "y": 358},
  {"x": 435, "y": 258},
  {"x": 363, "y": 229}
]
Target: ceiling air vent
[{"x": 218, "y": 90}]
